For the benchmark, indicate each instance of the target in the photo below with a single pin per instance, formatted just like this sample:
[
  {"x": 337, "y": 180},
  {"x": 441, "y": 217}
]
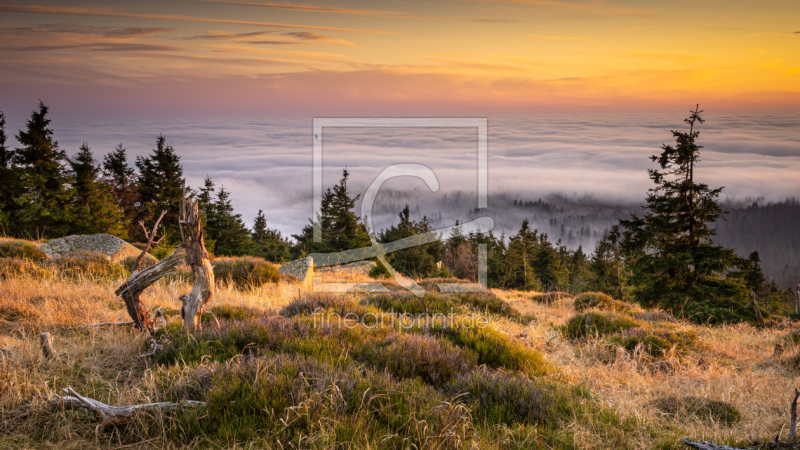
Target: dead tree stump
[
  {"x": 47, "y": 346},
  {"x": 197, "y": 257}
]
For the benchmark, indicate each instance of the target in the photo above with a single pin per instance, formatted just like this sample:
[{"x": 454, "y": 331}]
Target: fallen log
[{"x": 106, "y": 414}]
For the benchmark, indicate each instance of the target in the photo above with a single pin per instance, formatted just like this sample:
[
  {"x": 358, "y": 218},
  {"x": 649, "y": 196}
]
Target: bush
[
  {"x": 495, "y": 349},
  {"x": 379, "y": 272},
  {"x": 551, "y": 297},
  {"x": 432, "y": 360},
  {"x": 328, "y": 302},
  {"x": 699, "y": 407},
  {"x": 80, "y": 264},
  {"x": 11, "y": 267},
  {"x": 602, "y": 323},
  {"x": 657, "y": 342},
  {"x": 16, "y": 248},
  {"x": 599, "y": 300},
  {"x": 498, "y": 398},
  {"x": 437, "y": 303},
  {"x": 286, "y": 399},
  {"x": 130, "y": 261},
  {"x": 245, "y": 271}
]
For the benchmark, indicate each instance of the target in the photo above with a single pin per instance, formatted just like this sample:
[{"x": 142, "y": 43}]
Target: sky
[{"x": 398, "y": 57}]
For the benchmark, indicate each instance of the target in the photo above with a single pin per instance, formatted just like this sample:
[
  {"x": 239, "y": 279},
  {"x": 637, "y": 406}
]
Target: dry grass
[{"x": 736, "y": 365}]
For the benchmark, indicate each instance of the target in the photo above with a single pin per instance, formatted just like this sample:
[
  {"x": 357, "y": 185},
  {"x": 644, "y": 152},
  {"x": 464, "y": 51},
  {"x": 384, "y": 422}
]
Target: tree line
[{"x": 665, "y": 257}]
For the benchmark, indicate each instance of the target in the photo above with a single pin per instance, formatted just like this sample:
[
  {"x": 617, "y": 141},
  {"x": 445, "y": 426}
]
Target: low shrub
[
  {"x": 86, "y": 264},
  {"x": 705, "y": 409},
  {"x": 286, "y": 399},
  {"x": 552, "y": 297},
  {"x": 434, "y": 361},
  {"x": 329, "y": 303},
  {"x": 11, "y": 267},
  {"x": 245, "y": 271},
  {"x": 495, "y": 349},
  {"x": 659, "y": 341},
  {"x": 499, "y": 398},
  {"x": 230, "y": 312},
  {"x": 130, "y": 261},
  {"x": 601, "y": 323},
  {"x": 437, "y": 303},
  {"x": 17, "y": 248},
  {"x": 599, "y": 300}
]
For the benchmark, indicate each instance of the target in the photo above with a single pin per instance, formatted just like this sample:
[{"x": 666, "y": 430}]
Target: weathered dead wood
[
  {"x": 150, "y": 237},
  {"x": 133, "y": 287},
  {"x": 757, "y": 310},
  {"x": 197, "y": 257},
  {"x": 106, "y": 414},
  {"x": 793, "y": 423},
  {"x": 47, "y": 346},
  {"x": 157, "y": 316},
  {"x": 775, "y": 445}
]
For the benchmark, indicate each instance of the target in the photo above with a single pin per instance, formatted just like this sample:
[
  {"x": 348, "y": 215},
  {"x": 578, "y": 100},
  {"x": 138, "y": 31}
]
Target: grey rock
[
  {"x": 113, "y": 247},
  {"x": 302, "y": 269}
]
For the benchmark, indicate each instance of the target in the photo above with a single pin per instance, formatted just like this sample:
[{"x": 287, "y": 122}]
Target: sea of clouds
[{"x": 265, "y": 162}]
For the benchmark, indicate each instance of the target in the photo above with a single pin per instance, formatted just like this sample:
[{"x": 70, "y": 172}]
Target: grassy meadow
[{"x": 539, "y": 371}]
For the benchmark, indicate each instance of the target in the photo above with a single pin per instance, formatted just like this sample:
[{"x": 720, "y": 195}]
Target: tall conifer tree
[
  {"x": 45, "y": 184},
  {"x": 160, "y": 181},
  {"x": 676, "y": 265},
  {"x": 122, "y": 179},
  {"x": 93, "y": 209}
]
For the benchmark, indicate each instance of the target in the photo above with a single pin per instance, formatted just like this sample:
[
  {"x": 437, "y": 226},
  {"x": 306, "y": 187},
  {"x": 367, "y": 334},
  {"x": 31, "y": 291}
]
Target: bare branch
[{"x": 149, "y": 241}]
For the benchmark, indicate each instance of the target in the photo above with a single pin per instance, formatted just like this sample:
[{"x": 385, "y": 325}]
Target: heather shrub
[
  {"x": 17, "y": 248},
  {"x": 658, "y": 341},
  {"x": 702, "y": 408},
  {"x": 495, "y": 349},
  {"x": 602, "y": 301},
  {"x": 130, "y": 261},
  {"x": 552, "y": 297},
  {"x": 245, "y": 271},
  {"x": 86, "y": 264},
  {"x": 436, "y": 303},
  {"x": 285, "y": 399},
  {"x": 511, "y": 399},
  {"x": 10, "y": 267},
  {"x": 601, "y": 323},
  {"x": 434, "y": 361}
]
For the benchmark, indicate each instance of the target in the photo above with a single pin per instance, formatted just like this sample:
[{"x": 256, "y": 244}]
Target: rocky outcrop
[
  {"x": 301, "y": 269},
  {"x": 115, "y": 248},
  {"x": 354, "y": 268}
]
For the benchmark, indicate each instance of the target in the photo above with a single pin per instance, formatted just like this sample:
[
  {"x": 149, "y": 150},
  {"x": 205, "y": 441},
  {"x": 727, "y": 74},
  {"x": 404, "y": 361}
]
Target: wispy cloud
[
  {"x": 99, "y": 47},
  {"x": 273, "y": 42},
  {"x": 65, "y": 10},
  {"x": 306, "y": 35},
  {"x": 109, "y": 32},
  {"x": 591, "y": 8},
  {"x": 310, "y": 8},
  {"x": 212, "y": 36},
  {"x": 560, "y": 38},
  {"x": 359, "y": 12}
]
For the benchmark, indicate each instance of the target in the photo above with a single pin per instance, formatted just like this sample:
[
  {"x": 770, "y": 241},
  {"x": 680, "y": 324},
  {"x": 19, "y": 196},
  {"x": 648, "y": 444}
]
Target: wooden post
[
  {"x": 197, "y": 257},
  {"x": 47, "y": 346}
]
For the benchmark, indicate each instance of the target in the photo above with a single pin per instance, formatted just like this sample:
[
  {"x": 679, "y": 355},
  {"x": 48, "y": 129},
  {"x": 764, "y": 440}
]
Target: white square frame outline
[{"x": 482, "y": 124}]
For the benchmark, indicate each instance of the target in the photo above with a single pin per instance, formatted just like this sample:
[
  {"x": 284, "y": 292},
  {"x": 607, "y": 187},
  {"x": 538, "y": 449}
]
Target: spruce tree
[
  {"x": 206, "y": 207},
  {"x": 9, "y": 182},
  {"x": 269, "y": 244},
  {"x": 227, "y": 229},
  {"x": 521, "y": 248},
  {"x": 122, "y": 179},
  {"x": 341, "y": 228},
  {"x": 159, "y": 187},
  {"x": 676, "y": 265},
  {"x": 419, "y": 260},
  {"x": 93, "y": 209},
  {"x": 45, "y": 190}
]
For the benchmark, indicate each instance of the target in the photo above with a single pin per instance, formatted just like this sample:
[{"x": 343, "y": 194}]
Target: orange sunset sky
[{"x": 405, "y": 56}]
